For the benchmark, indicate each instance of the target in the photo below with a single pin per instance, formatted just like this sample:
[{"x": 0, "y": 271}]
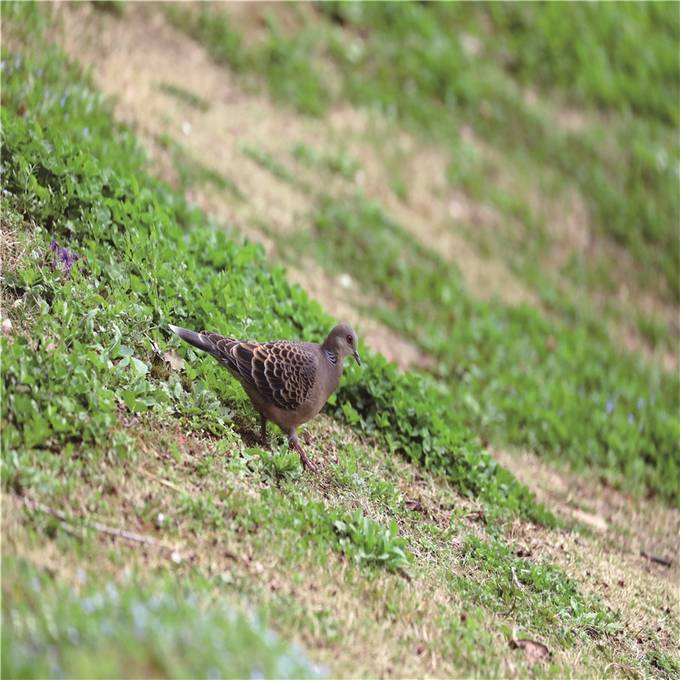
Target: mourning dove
[{"x": 287, "y": 381}]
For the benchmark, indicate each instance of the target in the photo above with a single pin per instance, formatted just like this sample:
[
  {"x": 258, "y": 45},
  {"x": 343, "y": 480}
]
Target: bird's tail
[{"x": 196, "y": 339}]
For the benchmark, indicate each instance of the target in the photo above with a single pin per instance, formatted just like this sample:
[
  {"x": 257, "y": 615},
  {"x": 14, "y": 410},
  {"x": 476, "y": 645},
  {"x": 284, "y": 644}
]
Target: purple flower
[
  {"x": 610, "y": 407},
  {"x": 64, "y": 258}
]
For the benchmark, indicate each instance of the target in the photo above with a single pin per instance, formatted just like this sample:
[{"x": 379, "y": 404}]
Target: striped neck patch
[{"x": 331, "y": 356}]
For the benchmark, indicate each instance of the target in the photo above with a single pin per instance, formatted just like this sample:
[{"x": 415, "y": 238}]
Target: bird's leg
[
  {"x": 294, "y": 443},
  {"x": 263, "y": 431}
]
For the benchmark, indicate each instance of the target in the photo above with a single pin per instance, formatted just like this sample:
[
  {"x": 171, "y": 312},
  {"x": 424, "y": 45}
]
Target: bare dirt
[
  {"x": 131, "y": 56},
  {"x": 633, "y": 529}
]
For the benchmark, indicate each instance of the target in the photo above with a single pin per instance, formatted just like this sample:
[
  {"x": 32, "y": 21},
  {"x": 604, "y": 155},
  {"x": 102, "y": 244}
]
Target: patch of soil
[
  {"x": 622, "y": 524},
  {"x": 132, "y": 56},
  {"x": 607, "y": 559},
  {"x": 341, "y": 298}
]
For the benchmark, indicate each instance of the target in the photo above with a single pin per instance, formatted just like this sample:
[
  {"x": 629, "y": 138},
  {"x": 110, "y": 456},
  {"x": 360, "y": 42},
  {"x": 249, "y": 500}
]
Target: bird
[{"x": 288, "y": 381}]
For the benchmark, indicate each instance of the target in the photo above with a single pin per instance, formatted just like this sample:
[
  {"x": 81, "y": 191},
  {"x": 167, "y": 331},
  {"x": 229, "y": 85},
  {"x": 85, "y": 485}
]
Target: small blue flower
[
  {"x": 609, "y": 407},
  {"x": 73, "y": 634},
  {"x": 112, "y": 592}
]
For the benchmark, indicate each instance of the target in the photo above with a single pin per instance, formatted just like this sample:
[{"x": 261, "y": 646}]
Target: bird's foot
[{"x": 306, "y": 463}]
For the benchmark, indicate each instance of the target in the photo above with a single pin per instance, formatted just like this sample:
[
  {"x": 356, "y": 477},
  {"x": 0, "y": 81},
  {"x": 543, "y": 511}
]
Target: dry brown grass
[
  {"x": 308, "y": 595},
  {"x": 627, "y": 525},
  {"x": 606, "y": 560},
  {"x": 11, "y": 246},
  {"x": 373, "y": 644},
  {"x": 15, "y": 239},
  {"x": 130, "y": 64}
]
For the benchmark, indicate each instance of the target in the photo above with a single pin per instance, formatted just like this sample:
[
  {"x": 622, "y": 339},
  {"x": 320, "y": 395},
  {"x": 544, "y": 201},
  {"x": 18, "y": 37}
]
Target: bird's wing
[{"x": 282, "y": 372}]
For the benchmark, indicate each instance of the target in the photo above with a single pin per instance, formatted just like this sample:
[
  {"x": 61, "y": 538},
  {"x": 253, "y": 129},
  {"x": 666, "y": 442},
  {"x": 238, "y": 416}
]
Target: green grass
[
  {"x": 402, "y": 61},
  {"x": 575, "y": 396},
  {"x": 365, "y": 541},
  {"x": 664, "y": 664},
  {"x": 633, "y": 45},
  {"x": 285, "y": 514},
  {"x": 137, "y": 627},
  {"x": 291, "y": 76},
  {"x": 546, "y": 601},
  {"x": 223, "y": 43},
  {"x": 336, "y": 162},
  {"x": 97, "y": 424},
  {"x": 362, "y": 540},
  {"x": 139, "y": 269},
  {"x": 599, "y": 74},
  {"x": 606, "y": 430}
]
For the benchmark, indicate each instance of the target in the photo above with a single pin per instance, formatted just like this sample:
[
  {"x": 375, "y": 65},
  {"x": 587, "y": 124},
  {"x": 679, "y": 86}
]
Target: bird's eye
[{"x": 350, "y": 340}]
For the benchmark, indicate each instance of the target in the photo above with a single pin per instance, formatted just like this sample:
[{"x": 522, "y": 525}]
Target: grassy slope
[
  {"x": 89, "y": 392},
  {"x": 561, "y": 387},
  {"x": 438, "y": 84}
]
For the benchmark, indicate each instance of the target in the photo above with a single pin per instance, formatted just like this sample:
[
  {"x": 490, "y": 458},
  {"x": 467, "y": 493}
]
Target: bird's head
[{"x": 342, "y": 341}]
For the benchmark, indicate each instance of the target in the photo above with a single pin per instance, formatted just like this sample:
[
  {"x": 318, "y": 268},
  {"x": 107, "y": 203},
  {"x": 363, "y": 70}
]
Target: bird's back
[{"x": 281, "y": 372}]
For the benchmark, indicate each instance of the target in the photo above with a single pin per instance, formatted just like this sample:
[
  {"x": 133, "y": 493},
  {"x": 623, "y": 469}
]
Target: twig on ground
[
  {"x": 404, "y": 574},
  {"x": 97, "y": 526},
  {"x": 165, "y": 482},
  {"x": 515, "y": 580},
  {"x": 659, "y": 560}
]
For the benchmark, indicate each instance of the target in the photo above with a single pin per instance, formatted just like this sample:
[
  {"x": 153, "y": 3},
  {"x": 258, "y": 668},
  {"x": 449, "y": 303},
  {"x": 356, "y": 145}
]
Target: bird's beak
[{"x": 355, "y": 354}]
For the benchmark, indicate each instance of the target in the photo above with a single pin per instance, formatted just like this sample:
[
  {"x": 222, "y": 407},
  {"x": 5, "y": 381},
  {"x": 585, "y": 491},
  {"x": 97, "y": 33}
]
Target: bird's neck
[
  {"x": 333, "y": 375},
  {"x": 331, "y": 357}
]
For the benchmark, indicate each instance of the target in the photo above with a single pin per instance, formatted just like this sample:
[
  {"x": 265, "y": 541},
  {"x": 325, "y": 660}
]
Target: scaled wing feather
[{"x": 282, "y": 372}]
